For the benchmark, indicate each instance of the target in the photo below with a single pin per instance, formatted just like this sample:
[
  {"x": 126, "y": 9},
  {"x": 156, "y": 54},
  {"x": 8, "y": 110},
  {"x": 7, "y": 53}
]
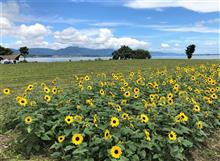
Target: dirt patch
[{"x": 209, "y": 150}]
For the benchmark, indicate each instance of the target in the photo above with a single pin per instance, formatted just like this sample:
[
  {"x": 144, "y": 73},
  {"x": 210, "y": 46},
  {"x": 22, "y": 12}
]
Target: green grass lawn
[{"x": 17, "y": 76}]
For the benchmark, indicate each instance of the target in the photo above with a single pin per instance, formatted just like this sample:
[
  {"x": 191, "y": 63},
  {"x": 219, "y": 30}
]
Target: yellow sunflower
[
  {"x": 22, "y": 101},
  {"x": 46, "y": 89},
  {"x": 147, "y": 135},
  {"x": 61, "y": 138},
  {"x": 114, "y": 122},
  {"x": 172, "y": 136},
  {"x": 196, "y": 108},
  {"x": 107, "y": 135},
  {"x": 102, "y": 92},
  {"x": 30, "y": 87},
  {"x": 136, "y": 90},
  {"x": 47, "y": 98},
  {"x": 69, "y": 119},
  {"x": 125, "y": 116},
  {"x": 199, "y": 125},
  {"x": 89, "y": 88},
  {"x": 54, "y": 90},
  {"x": 116, "y": 152},
  {"x": 28, "y": 120},
  {"x": 169, "y": 95},
  {"x": 77, "y": 139},
  {"x": 170, "y": 101},
  {"x": 127, "y": 94},
  {"x": 6, "y": 91},
  {"x": 144, "y": 118},
  {"x": 214, "y": 96}
]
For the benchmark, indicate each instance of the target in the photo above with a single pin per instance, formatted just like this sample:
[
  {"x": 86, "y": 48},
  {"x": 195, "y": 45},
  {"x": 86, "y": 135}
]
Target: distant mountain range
[
  {"x": 86, "y": 52},
  {"x": 69, "y": 51}
]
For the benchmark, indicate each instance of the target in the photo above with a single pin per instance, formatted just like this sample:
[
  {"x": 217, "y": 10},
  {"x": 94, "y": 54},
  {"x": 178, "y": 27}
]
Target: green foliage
[
  {"x": 5, "y": 51},
  {"x": 127, "y": 53},
  {"x": 190, "y": 50},
  {"x": 24, "y": 51}
]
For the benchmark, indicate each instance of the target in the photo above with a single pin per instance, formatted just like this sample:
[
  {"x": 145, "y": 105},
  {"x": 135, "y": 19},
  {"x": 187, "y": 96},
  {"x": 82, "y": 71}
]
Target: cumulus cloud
[
  {"x": 195, "y": 5},
  {"x": 164, "y": 45},
  {"x": 95, "y": 38}
]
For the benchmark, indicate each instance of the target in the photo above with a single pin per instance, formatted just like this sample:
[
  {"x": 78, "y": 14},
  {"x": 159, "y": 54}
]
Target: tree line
[{"x": 124, "y": 52}]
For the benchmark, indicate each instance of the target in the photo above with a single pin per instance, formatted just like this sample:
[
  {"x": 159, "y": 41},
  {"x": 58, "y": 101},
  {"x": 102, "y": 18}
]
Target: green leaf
[
  {"x": 69, "y": 147},
  {"x": 45, "y": 137}
]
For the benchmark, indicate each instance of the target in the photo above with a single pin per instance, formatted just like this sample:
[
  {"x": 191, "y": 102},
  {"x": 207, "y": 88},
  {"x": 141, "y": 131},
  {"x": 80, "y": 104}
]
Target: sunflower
[
  {"x": 61, "y": 138},
  {"x": 136, "y": 90},
  {"x": 181, "y": 117},
  {"x": 147, "y": 135},
  {"x": 54, "y": 90},
  {"x": 116, "y": 152},
  {"x": 170, "y": 101},
  {"x": 46, "y": 89},
  {"x": 144, "y": 118},
  {"x": 107, "y": 135},
  {"x": 127, "y": 94},
  {"x": 196, "y": 108},
  {"x": 199, "y": 125},
  {"x": 47, "y": 98},
  {"x": 102, "y": 92},
  {"x": 136, "y": 95},
  {"x": 77, "y": 139},
  {"x": 118, "y": 108},
  {"x": 114, "y": 122},
  {"x": 172, "y": 136},
  {"x": 214, "y": 96},
  {"x": 89, "y": 88},
  {"x": 22, "y": 101},
  {"x": 69, "y": 119},
  {"x": 87, "y": 78},
  {"x": 28, "y": 120},
  {"x": 169, "y": 95},
  {"x": 30, "y": 87},
  {"x": 123, "y": 102},
  {"x": 125, "y": 116},
  {"x": 6, "y": 91},
  {"x": 89, "y": 102}
]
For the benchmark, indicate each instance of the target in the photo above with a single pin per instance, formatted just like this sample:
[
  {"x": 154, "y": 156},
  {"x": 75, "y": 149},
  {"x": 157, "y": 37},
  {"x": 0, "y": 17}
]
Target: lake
[{"x": 65, "y": 59}]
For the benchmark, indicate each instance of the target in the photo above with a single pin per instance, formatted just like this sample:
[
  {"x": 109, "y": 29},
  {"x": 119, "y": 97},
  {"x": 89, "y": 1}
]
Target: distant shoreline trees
[
  {"x": 5, "y": 51},
  {"x": 125, "y": 52}
]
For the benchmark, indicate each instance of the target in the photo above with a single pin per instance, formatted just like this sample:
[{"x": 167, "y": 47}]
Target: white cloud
[
  {"x": 196, "y": 28},
  {"x": 164, "y": 45},
  {"x": 194, "y": 5},
  {"x": 110, "y": 24},
  {"x": 95, "y": 38}
]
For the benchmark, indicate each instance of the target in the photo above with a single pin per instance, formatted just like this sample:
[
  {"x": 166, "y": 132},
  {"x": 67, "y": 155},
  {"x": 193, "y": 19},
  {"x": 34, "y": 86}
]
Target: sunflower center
[
  {"x": 171, "y": 135},
  {"x": 116, "y": 151},
  {"x": 22, "y": 101},
  {"x": 114, "y": 121},
  {"x": 77, "y": 138},
  {"x": 143, "y": 118}
]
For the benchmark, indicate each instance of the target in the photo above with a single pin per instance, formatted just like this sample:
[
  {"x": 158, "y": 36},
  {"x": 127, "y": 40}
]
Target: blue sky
[{"x": 155, "y": 25}]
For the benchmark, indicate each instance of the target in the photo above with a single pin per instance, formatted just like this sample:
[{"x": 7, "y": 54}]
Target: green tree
[
  {"x": 124, "y": 52},
  {"x": 5, "y": 51},
  {"x": 141, "y": 54},
  {"x": 190, "y": 50},
  {"x": 24, "y": 51}
]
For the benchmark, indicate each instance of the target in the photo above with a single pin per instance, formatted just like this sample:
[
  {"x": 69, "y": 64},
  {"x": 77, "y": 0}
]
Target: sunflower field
[{"x": 130, "y": 116}]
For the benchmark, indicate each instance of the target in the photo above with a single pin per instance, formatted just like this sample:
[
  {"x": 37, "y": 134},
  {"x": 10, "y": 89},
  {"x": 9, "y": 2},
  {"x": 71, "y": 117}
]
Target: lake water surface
[{"x": 65, "y": 59}]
